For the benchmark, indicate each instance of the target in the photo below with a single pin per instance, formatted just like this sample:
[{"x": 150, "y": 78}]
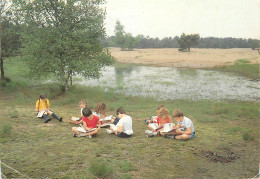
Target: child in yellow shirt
[{"x": 42, "y": 108}]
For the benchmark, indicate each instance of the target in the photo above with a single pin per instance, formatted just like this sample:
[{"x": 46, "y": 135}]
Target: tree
[
  {"x": 123, "y": 39},
  {"x": 186, "y": 41},
  {"x": 9, "y": 39},
  {"x": 63, "y": 38}
]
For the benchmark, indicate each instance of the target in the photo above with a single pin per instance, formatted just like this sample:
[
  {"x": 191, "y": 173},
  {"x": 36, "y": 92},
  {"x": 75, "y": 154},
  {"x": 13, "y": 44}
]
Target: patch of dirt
[{"x": 223, "y": 157}]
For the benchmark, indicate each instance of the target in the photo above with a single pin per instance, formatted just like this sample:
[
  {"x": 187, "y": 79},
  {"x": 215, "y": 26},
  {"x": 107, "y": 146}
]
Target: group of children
[{"x": 90, "y": 121}]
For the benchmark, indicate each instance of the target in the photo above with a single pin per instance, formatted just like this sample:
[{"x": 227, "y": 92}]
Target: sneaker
[
  {"x": 149, "y": 135},
  {"x": 75, "y": 135},
  {"x": 60, "y": 119},
  {"x": 109, "y": 131},
  {"x": 90, "y": 136},
  {"x": 169, "y": 136}
]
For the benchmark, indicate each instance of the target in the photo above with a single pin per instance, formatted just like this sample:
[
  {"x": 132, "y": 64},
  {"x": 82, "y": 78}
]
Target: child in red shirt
[{"x": 91, "y": 124}]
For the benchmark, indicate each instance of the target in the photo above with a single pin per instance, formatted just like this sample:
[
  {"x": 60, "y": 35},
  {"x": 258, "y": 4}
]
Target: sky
[{"x": 170, "y": 18}]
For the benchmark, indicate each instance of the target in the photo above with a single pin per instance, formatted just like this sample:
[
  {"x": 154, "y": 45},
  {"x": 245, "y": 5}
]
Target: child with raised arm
[
  {"x": 163, "y": 118},
  {"x": 78, "y": 120},
  {"x": 42, "y": 108},
  {"x": 90, "y": 126},
  {"x": 123, "y": 128},
  {"x": 185, "y": 128}
]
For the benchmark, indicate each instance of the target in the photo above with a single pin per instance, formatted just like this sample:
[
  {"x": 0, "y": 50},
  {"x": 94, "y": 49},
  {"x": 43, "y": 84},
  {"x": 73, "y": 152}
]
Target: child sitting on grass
[
  {"x": 163, "y": 118},
  {"x": 101, "y": 111},
  {"x": 184, "y": 129},
  {"x": 123, "y": 128},
  {"x": 90, "y": 126},
  {"x": 42, "y": 109},
  {"x": 153, "y": 123},
  {"x": 78, "y": 120}
]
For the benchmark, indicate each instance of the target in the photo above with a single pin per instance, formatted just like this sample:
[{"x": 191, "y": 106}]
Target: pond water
[{"x": 163, "y": 83}]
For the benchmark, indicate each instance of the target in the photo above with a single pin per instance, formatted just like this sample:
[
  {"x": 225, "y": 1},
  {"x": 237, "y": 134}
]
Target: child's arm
[
  {"x": 85, "y": 126},
  {"x": 188, "y": 131}
]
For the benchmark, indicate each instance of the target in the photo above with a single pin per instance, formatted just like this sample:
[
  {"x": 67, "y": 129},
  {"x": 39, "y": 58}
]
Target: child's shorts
[
  {"x": 123, "y": 135},
  {"x": 192, "y": 135}
]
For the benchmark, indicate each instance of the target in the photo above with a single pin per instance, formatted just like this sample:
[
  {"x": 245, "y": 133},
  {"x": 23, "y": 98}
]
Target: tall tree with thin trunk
[{"x": 62, "y": 38}]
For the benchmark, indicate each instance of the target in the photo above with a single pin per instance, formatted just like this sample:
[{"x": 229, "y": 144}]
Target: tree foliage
[
  {"x": 9, "y": 37},
  {"x": 62, "y": 38},
  {"x": 186, "y": 41},
  {"x": 124, "y": 40}
]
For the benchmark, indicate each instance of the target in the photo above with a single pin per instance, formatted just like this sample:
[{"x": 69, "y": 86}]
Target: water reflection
[{"x": 175, "y": 83}]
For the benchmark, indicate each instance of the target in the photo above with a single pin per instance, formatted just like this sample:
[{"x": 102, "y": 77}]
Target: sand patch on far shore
[{"x": 196, "y": 58}]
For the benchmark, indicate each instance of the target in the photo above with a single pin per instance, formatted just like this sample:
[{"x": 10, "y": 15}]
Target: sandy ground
[{"x": 196, "y": 58}]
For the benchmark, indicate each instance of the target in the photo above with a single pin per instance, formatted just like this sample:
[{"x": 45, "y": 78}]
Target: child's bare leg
[
  {"x": 92, "y": 132},
  {"x": 74, "y": 129},
  {"x": 115, "y": 132},
  {"x": 182, "y": 137}
]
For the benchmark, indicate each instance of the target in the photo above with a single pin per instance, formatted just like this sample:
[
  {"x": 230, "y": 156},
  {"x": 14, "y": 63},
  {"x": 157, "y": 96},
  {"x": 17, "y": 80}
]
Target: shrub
[
  {"x": 248, "y": 135},
  {"x": 6, "y": 129},
  {"x": 100, "y": 168},
  {"x": 125, "y": 166},
  {"x": 14, "y": 114},
  {"x": 126, "y": 176}
]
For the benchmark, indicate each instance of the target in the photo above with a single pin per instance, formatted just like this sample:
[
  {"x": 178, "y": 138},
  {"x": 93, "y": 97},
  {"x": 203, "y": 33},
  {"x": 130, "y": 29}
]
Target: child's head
[
  {"x": 101, "y": 108},
  {"x": 82, "y": 103},
  {"x": 163, "y": 113},
  {"x": 42, "y": 97},
  {"x": 177, "y": 114},
  {"x": 120, "y": 111},
  {"x": 159, "y": 107},
  {"x": 87, "y": 112}
]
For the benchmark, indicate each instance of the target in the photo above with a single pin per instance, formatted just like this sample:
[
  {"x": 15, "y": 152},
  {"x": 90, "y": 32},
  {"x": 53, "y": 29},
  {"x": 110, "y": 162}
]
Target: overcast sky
[{"x": 168, "y": 18}]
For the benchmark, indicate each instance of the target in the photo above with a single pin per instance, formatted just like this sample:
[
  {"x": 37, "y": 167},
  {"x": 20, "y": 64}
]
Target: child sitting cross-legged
[
  {"x": 123, "y": 128},
  {"x": 185, "y": 128},
  {"x": 163, "y": 118},
  {"x": 91, "y": 124},
  {"x": 105, "y": 119}
]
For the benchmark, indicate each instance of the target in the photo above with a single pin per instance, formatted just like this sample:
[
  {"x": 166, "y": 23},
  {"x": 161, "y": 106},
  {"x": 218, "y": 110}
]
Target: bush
[
  {"x": 126, "y": 176},
  {"x": 125, "y": 166},
  {"x": 14, "y": 114},
  {"x": 6, "y": 129},
  {"x": 248, "y": 135},
  {"x": 100, "y": 168}
]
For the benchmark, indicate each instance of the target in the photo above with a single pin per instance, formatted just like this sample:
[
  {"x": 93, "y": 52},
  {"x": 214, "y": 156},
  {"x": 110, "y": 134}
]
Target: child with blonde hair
[
  {"x": 163, "y": 118},
  {"x": 105, "y": 119},
  {"x": 42, "y": 108},
  {"x": 78, "y": 120}
]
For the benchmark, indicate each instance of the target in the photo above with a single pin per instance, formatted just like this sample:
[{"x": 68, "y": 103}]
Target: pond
[{"x": 166, "y": 83}]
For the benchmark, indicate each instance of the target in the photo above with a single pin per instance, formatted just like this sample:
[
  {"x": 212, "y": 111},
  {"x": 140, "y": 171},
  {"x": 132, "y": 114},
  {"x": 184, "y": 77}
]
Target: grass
[
  {"x": 242, "y": 67},
  {"x": 41, "y": 150}
]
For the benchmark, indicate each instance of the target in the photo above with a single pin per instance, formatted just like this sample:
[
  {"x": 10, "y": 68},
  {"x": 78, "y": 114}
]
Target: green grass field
[{"x": 226, "y": 144}]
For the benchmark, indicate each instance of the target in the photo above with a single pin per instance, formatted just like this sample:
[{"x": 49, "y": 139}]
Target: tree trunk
[{"x": 2, "y": 68}]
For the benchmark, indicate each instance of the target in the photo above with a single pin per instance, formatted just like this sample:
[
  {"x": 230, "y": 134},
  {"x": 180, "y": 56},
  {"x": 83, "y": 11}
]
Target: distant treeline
[{"x": 208, "y": 42}]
